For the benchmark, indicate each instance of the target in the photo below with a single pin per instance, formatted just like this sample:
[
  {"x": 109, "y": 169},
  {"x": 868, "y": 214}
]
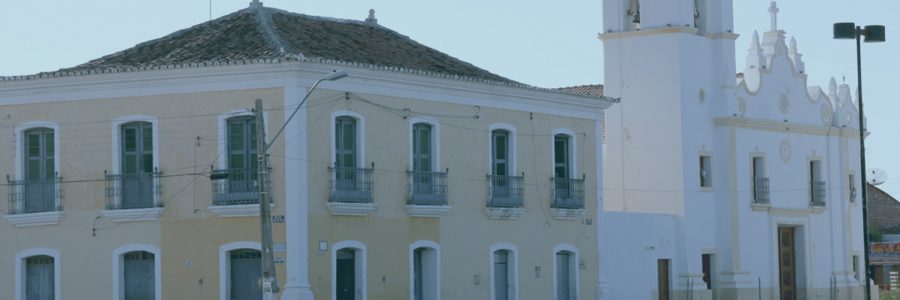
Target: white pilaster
[{"x": 296, "y": 208}]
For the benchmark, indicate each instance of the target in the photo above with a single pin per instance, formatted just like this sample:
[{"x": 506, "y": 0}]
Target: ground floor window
[
  {"x": 139, "y": 275},
  {"x": 244, "y": 274},
  {"x": 565, "y": 276},
  {"x": 40, "y": 278},
  {"x": 504, "y": 275},
  {"x": 425, "y": 282}
]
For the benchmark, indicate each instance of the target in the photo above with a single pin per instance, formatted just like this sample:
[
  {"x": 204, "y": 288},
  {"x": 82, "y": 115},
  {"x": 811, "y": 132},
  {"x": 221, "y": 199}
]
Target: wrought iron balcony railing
[
  {"x": 568, "y": 193},
  {"x": 130, "y": 191},
  {"x": 34, "y": 195},
  {"x": 235, "y": 186},
  {"x": 817, "y": 193},
  {"x": 506, "y": 191},
  {"x": 352, "y": 185},
  {"x": 761, "y": 190},
  {"x": 428, "y": 188}
]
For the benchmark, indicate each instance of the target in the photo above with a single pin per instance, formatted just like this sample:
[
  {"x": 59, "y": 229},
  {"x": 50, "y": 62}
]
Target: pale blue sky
[{"x": 543, "y": 43}]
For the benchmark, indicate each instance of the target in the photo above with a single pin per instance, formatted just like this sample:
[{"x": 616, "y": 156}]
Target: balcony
[
  {"x": 133, "y": 197},
  {"x": 817, "y": 193},
  {"x": 568, "y": 198},
  {"x": 34, "y": 202},
  {"x": 761, "y": 190},
  {"x": 235, "y": 192},
  {"x": 568, "y": 193},
  {"x": 506, "y": 198},
  {"x": 428, "y": 194},
  {"x": 351, "y": 191}
]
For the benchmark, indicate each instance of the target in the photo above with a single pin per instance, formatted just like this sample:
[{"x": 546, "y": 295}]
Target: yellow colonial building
[{"x": 419, "y": 176}]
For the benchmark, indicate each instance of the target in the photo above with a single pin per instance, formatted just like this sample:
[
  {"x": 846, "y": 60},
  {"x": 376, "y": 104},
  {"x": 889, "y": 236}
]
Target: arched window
[
  {"x": 240, "y": 269},
  {"x": 38, "y": 194},
  {"x": 245, "y": 270},
  {"x": 137, "y": 269},
  {"x": 136, "y": 180},
  {"x": 565, "y": 276},
  {"x": 349, "y": 271},
  {"x": 139, "y": 275},
  {"x": 425, "y": 280},
  {"x": 241, "y": 144},
  {"x": 345, "y": 146},
  {"x": 504, "y": 274},
  {"x": 37, "y": 274}
]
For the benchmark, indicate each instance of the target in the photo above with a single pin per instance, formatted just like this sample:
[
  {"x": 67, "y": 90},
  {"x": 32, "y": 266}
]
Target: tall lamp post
[
  {"x": 873, "y": 34},
  {"x": 269, "y": 283}
]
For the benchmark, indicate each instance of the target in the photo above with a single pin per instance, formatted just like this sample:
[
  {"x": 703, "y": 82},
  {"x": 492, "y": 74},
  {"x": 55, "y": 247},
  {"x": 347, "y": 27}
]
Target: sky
[{"x": 542, "y": 43}]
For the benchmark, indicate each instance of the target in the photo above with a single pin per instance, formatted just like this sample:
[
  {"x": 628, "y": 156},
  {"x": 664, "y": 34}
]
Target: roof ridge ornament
[
  {"x": 371, "y": 18},
  {"x": 256, "y": 3}
]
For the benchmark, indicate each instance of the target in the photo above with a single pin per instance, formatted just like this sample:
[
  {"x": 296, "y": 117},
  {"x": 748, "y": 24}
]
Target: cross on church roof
[{"x": 773, "y": 9}]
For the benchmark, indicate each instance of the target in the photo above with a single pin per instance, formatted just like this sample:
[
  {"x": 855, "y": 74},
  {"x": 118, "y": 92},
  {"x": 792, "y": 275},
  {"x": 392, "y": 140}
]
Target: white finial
[
  {"x": 773, "y": 10},
  {"x": 755, "y": 57},
  {"x": 793, "y": 46},
  {"x": 832, "y": 88},
  {"x": 371, "y": 18}
]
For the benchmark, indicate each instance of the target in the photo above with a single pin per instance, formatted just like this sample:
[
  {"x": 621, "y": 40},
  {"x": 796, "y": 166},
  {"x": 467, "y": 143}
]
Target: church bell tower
[{"x": 672, "y": 64}]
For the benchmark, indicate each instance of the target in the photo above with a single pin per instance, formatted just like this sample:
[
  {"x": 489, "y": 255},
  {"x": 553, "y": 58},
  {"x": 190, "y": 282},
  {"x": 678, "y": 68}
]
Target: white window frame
[
  {"x": 514, "y": 252},
  {"x": 573, "y": 157},
  {"x": 361, "y": 266},
  {"x": 435, "y": 141},
  {"x": 20, "y": 145},
  {"x": 225, "y": 264},
  {"x": 437, "y": 249},
  {"x": 20, "y": 270},
  {"x": 574, "y": 268},
  {"x": 222, "y": 157},
  {"x": 360, "y": 136},
  {"x": 117, "y": 138},
  {"x": 710, "y": 170},
  {"x": 118, "y": 270},
  {"x": 810, "y": 159},
  {"x": 511, "y": 145}
]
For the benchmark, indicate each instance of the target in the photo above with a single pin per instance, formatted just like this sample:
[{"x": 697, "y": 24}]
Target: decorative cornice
[
  {"x": 784, "y": 127},
  {"x": 633, "y": 33},
  {"x": 288, "y": 58}
]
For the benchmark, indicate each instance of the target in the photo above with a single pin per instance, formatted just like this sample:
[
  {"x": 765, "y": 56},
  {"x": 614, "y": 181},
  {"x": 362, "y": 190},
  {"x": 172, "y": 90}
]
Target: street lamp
[
  {"x": 269, "y": 283},
  {"x": 873, "y": 34}
]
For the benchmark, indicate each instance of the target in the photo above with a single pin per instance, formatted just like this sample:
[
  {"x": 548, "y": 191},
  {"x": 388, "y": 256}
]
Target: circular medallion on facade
[
  {"x": 742, "y": 106},
  {"x": 784, "y": 104},
  {"x": 826, "y": 114},
  {"x": 785, "y": 151}
]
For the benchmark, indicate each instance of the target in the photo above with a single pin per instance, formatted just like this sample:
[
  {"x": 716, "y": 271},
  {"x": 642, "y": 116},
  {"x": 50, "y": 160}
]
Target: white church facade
[{"x": 716, "y": 187}]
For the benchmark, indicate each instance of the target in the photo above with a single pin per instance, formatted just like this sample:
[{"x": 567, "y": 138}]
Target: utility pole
[{"x": 269, "y": 282}]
